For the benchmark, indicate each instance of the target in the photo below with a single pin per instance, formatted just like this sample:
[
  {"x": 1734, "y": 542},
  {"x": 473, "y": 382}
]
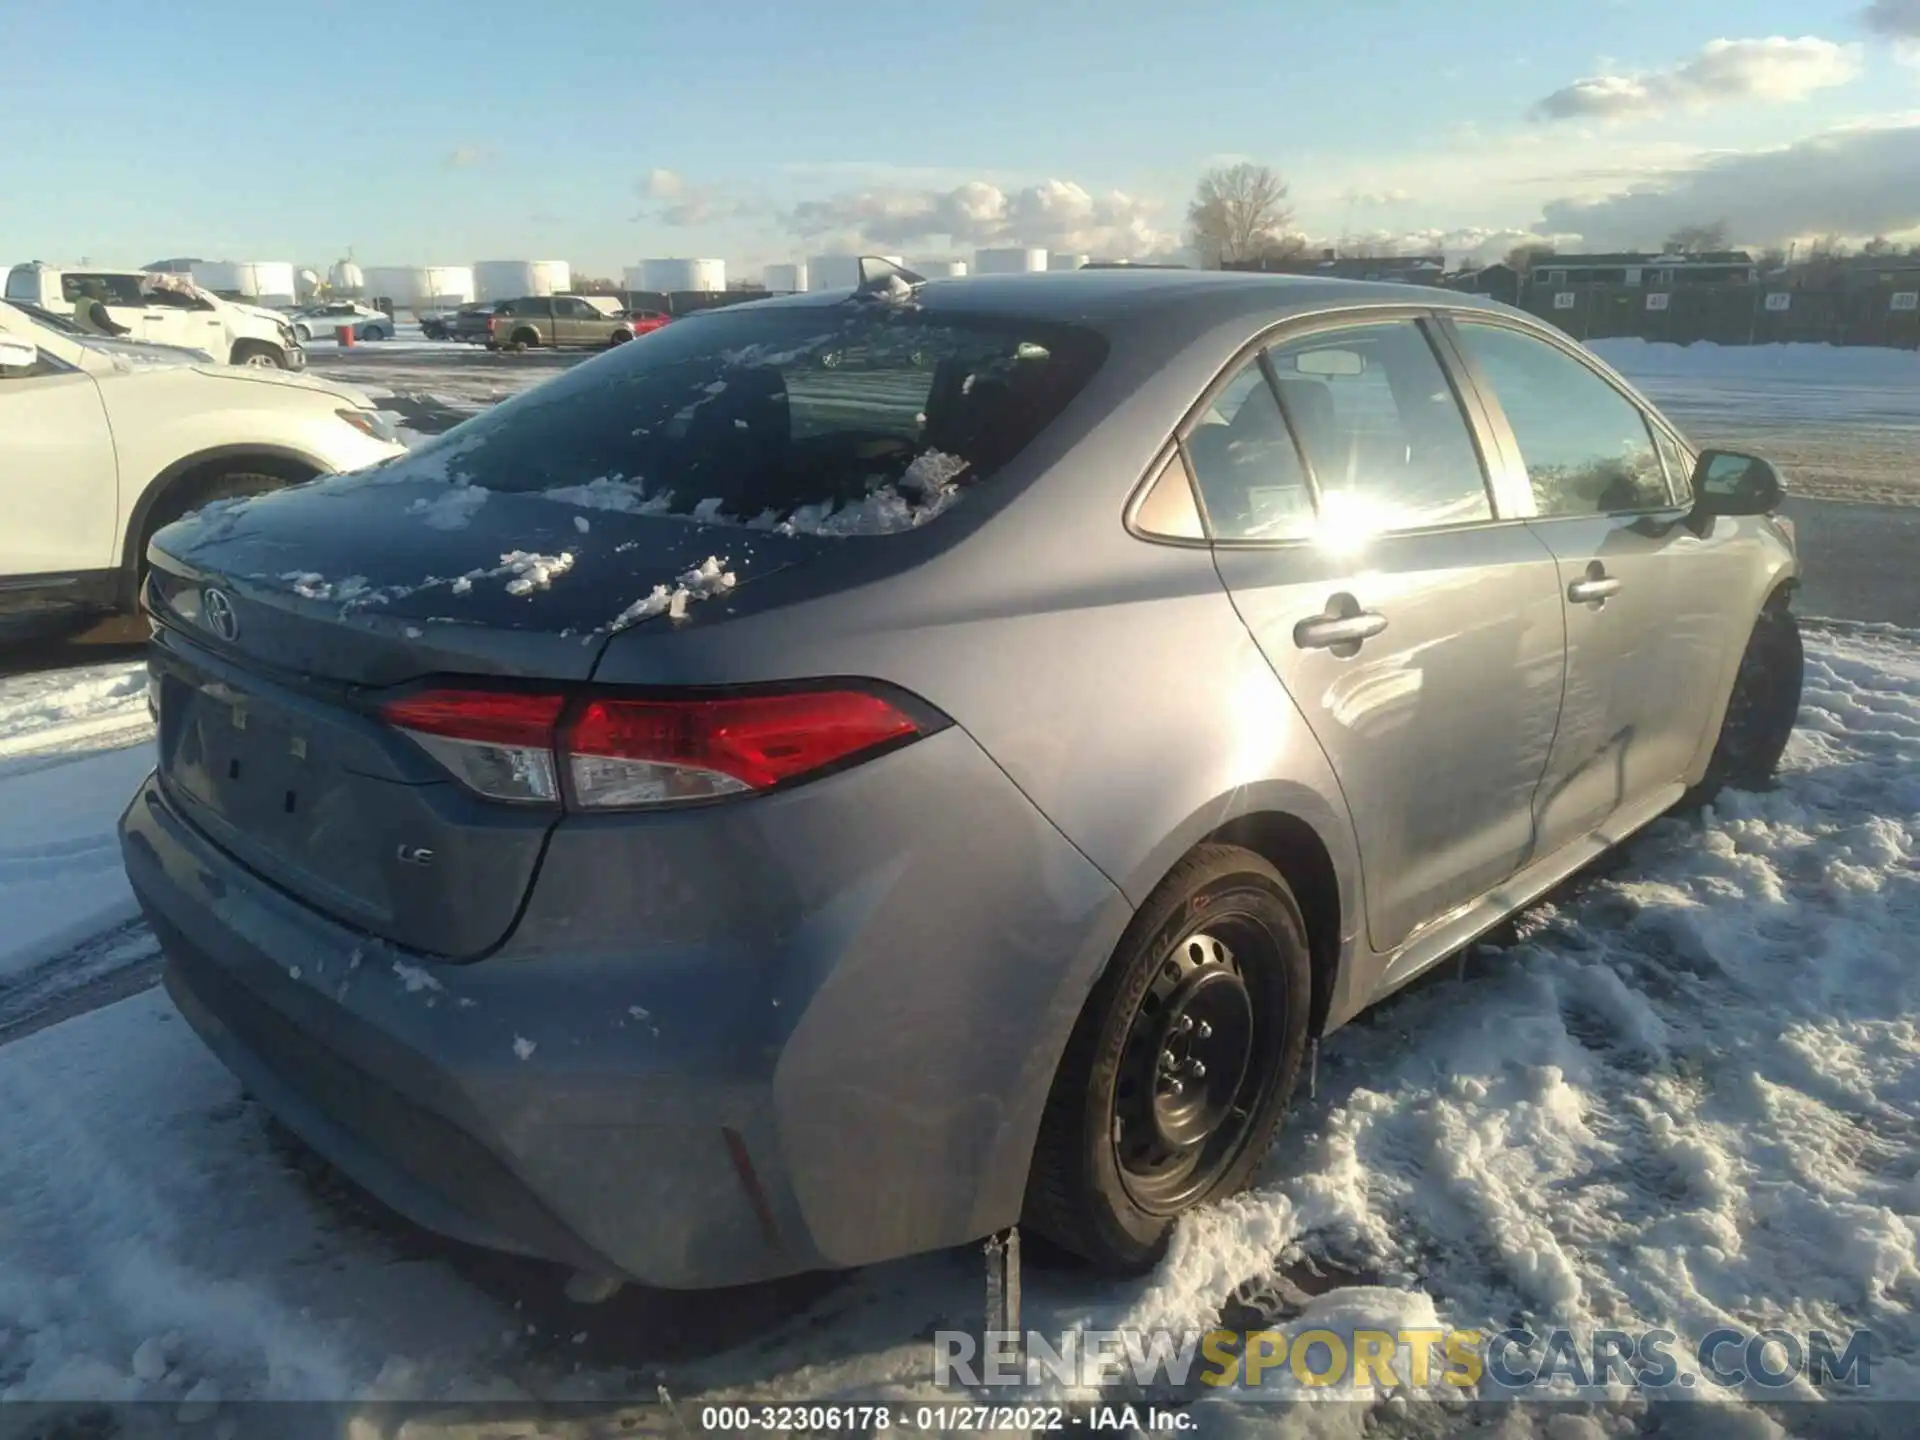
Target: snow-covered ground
[
  {"x": 1843, "y": 422},
  {"x": 1688, "y": 1095}
]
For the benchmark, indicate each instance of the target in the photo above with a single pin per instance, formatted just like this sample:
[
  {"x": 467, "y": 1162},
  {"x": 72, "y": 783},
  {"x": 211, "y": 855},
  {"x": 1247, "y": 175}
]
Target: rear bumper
[{"x": 783, "y": 1087}]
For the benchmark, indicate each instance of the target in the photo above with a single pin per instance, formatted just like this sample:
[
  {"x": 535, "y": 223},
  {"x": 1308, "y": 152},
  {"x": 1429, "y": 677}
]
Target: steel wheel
[
  {"x": 1180, "y": 1065},
  {"x": 1189, "y": 1082}
]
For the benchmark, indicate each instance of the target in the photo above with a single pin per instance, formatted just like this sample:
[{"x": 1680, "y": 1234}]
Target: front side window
[
  {"x": 1383, "y": 431},
  {"x": 1587, "y": 447},
  {"x": 834, "y": 420},
  {"x": 1679, "y": 466}
]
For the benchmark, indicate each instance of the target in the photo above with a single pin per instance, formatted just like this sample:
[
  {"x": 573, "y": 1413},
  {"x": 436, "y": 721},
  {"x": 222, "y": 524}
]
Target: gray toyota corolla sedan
[{"x": 842, "y": 775}]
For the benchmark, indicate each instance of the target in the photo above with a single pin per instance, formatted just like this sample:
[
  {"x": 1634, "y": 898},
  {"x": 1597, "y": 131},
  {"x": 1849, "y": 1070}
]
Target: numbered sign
[
  {"x": 1906, "y": 300},
  {"x": 1657, "y": 301},
  {"x": 1780, "y": 300},
  {"x": 1563, "y": 299}
]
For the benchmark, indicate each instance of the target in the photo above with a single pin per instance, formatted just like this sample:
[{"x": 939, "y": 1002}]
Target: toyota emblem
[{"x": 216, "y": 608}]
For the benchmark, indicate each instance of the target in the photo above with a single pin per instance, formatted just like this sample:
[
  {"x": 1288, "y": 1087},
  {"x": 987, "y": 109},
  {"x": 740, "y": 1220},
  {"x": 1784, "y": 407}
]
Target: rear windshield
[{"x": 830, "y": 421}]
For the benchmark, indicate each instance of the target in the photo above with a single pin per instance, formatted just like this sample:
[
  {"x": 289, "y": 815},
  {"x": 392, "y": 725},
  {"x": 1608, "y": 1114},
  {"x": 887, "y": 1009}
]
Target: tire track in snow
[{"x": 93, "y": 973}]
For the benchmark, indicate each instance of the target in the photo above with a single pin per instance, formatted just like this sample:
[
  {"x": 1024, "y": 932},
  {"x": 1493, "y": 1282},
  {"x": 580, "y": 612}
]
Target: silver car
[{"x": 721, "y": 814}]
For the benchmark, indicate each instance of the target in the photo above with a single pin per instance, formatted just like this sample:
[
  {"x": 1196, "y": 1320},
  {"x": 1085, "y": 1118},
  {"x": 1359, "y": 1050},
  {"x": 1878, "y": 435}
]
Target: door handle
[
  {"x": 1329, "y": 632},
  {"x": 1595, "y": 589}
]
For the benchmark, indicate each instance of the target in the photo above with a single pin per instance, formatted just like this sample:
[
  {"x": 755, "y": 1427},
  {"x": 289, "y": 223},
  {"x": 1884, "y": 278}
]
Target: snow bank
[
  {"x": 1819, "y": 364},
  {"x": 61, "y": 708}
]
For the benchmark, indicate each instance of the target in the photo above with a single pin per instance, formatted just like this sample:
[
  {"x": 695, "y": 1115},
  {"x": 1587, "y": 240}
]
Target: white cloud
[
  {"x": 1057, "y": 214},
  {"x": 1376, "y": 199},
  {"x": 661, "y": 185},
  {"x": 1775, "y": 69},
  {"x": 1856, "y": 181},
  {"x": 467, "y": 157},
  {"x": 666, "y": 198}
]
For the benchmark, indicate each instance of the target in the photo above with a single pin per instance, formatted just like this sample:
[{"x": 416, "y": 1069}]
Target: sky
[{"x": 448, "y": 131}]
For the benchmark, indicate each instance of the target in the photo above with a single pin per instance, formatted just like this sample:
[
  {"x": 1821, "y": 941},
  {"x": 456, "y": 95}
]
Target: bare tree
[
  {"x": 1698, "y": 239},
  {"x": 1523, "y": 257},
  {"x": 1878, "y": 245},
  {"x": 1771, "y": 259},
  {"x": 1237, "y": 211}
]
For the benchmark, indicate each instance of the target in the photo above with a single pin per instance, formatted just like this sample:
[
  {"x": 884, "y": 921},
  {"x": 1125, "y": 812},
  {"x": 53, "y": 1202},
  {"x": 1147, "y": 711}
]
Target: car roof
[{"x": 1114, "y": 298}]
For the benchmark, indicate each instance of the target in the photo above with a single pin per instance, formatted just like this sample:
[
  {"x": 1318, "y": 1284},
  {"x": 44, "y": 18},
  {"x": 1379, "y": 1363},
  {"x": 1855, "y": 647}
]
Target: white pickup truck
[{"x": 163, "y": 309}]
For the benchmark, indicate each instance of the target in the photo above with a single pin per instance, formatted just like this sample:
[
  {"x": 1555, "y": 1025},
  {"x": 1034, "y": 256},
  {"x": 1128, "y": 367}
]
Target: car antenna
[{"x": 881, "y": 279}]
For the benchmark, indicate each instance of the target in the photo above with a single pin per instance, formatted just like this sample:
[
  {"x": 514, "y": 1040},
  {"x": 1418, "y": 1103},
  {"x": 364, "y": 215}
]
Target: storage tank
[
  {"x": 510, "y": 279},
  {"x": 1008, "y": 262},
  {"x": 938, "y": 269},
  {"x": 785, "y": 279},
  {"x": 702, "y": 276},
  {"x": 421, "y": 286},
  {"x": 345, "y": 279},
  {"x": 268, "y": 282},
  {"x": 1066, "y": 262},
  {"x": 839, "y": 272}
]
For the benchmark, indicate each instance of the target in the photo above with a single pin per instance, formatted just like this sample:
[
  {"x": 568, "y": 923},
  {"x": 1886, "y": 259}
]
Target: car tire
[
  {"x": 188, "y": 496},
  {"x": 524, "y": 340},
  {"x": 259, "y": 354},
  {"x": 302, "y": 334},
  {"x": 619, "y": 337},
  {"x": 1215, "y": 964},
  {"x": 1761, "y": 711}
]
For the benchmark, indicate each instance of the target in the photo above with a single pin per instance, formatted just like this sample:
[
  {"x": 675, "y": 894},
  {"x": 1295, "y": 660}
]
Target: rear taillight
[
  {"x": 621, "y": 754},
  {"x": 498, "y": 744},
  {"x": 491, "y": 322}
]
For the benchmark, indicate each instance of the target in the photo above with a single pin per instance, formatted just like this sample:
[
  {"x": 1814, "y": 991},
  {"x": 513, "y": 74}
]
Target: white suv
[
  {"x": 166, "y": 309},
  {"x": 103, "y": 441}
]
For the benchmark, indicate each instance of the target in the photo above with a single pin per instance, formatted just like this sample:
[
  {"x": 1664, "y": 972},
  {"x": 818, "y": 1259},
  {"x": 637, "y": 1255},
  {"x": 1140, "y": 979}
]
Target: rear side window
[
  {"x": 828, "y": 420},
  {"x": 1246, "y": 466},
  {"x": 1587, "y": 447}
]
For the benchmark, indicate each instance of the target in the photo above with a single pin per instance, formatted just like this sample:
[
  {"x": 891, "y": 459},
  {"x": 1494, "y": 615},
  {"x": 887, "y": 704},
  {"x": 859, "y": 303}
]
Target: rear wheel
[
  {"x": 524, "y": 340},
  {"x": 1181, "y": 1066},
  {"x": 619, "y": 337},
  {"x": 1761, "y": 711},
  {"x": 187, "y": 496},
  {"x": 302, "y": 334}
]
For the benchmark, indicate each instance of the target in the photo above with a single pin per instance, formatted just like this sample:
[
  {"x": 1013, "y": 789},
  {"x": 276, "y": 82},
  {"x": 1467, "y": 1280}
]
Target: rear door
[
  {"x": 1415, "y": 622},
  {"x": 1645, "y": 644}
]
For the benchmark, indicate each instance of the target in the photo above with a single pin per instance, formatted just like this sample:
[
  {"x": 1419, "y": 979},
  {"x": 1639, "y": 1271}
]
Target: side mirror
[
  {"x": 1726, "y": 482},
  {"x": 17, "y": 354}
]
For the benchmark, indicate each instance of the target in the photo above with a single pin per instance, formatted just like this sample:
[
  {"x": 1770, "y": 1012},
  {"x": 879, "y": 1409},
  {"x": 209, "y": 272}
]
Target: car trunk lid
[{"x": 282, "y": 630}]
